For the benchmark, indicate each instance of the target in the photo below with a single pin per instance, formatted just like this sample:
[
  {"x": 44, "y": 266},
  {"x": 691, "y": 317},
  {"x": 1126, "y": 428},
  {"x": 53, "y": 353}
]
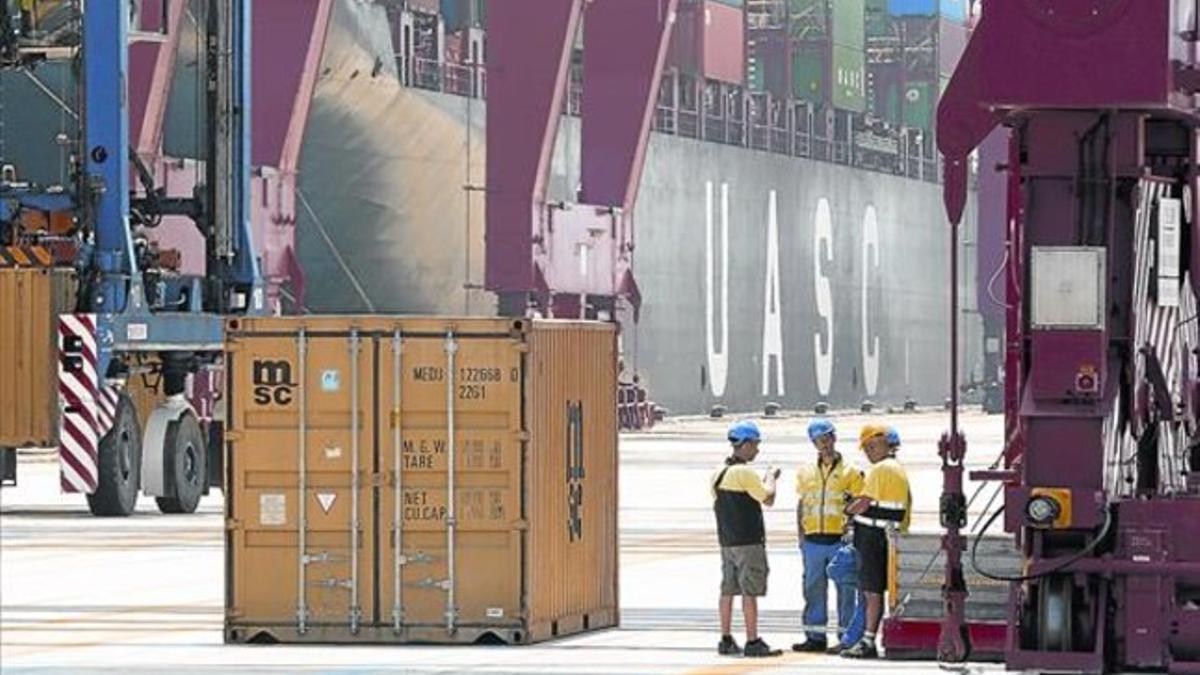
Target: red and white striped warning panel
[{"x": 88, "y": 408}]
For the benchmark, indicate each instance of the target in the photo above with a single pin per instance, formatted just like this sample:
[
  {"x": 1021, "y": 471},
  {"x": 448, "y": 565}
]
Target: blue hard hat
[
  {"x": 893, "y": 436},
  {"x": 743, "y": 431},
  {"x": 819, "y": 427}
]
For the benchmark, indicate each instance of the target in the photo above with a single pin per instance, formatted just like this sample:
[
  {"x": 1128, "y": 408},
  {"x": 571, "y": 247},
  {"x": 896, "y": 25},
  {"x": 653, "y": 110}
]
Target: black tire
[
  {"x": 120, "y": 464},
  {"x": 185, "y": 460}
]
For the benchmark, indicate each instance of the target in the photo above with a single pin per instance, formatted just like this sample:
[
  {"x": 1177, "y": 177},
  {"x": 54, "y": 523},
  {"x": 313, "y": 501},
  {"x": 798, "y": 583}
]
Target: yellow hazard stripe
[{"x": 41, "y": 255}]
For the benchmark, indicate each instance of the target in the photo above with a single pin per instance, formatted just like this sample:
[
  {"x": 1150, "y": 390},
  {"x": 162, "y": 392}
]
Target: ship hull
[{"x": 765, "y": 278}]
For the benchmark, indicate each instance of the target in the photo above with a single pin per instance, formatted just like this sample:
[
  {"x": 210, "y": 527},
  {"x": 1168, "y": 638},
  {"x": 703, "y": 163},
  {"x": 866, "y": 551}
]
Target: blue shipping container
[{"x": 951, "y": 10}]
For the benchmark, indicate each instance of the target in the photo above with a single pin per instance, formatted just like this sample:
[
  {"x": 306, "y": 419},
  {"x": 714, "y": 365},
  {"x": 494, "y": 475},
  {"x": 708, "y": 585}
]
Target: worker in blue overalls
[{"x": 824, "y": 488}]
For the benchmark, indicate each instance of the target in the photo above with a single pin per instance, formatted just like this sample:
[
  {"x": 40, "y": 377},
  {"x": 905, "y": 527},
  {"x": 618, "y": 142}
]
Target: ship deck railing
[{"x": 736, "y": 117}]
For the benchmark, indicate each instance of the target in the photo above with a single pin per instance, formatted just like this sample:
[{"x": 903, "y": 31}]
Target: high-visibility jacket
[{"x": 824, "y": 492}]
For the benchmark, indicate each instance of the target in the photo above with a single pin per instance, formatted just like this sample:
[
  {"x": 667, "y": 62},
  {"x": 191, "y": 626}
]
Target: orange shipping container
[
  {"x": 30, "y": 301},
  {"x": 347, "y": 521}
]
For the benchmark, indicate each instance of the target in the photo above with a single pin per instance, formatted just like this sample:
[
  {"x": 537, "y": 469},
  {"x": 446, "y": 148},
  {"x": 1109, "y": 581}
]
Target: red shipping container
[{"x": 724, "y": 42}]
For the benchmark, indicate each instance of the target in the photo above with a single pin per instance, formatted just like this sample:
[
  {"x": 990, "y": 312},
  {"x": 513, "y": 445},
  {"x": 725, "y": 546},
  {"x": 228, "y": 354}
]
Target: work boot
[
  {"x": 810, "y": 645},
  {"x": 728, "y": 646},
  {"x": 836, "y": 649},
  {"x": 863, "y": 650},
  {"x": 758, "y": 648}
]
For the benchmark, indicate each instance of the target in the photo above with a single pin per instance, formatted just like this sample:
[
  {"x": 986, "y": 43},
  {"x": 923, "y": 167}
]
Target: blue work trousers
[{"x": 816, "y": 591}]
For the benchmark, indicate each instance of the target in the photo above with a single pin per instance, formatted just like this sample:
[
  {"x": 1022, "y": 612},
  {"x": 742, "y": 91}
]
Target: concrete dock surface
[{"x": 145, "y": 594}]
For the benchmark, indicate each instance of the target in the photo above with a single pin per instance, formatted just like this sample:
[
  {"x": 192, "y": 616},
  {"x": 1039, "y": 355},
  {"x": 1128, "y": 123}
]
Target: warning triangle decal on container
[{"x": 326, "y": 499}]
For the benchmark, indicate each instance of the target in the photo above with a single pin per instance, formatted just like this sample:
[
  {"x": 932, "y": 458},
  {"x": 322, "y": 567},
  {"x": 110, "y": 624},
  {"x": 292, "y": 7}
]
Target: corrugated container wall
[
  {"x": 420, "y": 480},
  {"x": 849, "y": 56},
  {"x": 30, "y": 301},
  {"x": 808, "y": 75},
  {"x": 724, "y": 42}
]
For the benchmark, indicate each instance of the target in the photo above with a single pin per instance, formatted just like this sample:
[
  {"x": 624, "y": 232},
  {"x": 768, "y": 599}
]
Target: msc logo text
[{"x": 272, "y": 382}]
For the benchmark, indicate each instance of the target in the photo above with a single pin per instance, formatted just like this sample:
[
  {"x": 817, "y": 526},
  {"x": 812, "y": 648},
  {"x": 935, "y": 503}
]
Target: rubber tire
[
  {"x": 185, "y": 458},
  {"x": 119, "y": 464}
]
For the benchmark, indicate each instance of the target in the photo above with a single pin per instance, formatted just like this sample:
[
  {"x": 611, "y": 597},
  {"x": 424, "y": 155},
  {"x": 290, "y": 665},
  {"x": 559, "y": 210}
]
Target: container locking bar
[
  {"x": 302, "y": 522},
  {"x": 355, "y": 609},
  {"x": 397, "y": 488},
  {"x": 451, "y": 519}
]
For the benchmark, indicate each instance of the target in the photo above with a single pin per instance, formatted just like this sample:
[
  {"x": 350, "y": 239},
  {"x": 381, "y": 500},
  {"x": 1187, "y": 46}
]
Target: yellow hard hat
[{"x": 871, "y": 431}]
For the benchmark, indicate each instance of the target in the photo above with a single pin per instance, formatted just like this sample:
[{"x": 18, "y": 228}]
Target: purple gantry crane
[{"x": 1103, "y": 489}]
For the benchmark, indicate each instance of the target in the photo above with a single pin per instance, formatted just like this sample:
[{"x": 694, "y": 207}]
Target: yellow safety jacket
[{"x": 824, "y": 492}]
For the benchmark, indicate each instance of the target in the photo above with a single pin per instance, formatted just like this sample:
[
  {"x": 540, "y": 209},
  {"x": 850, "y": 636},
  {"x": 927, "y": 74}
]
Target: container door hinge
[
  {"x": 520, "y": 525},
  {"x": 234, "y": 436},
  {"x": 522, "y": 436},
  {"x": 521, "y": 346},
  {"x": 332, "y": 582},
  {"x": 234, "y": 525},
  {"x": 381, "y": 479}
]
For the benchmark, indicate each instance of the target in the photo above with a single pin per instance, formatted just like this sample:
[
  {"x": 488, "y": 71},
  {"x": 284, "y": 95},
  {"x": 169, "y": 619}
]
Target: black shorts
[{"x": 872, "y": 546}]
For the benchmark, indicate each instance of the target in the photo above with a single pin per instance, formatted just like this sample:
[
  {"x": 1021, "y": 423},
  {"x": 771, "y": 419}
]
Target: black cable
[{"x": 1066, "y": 561}]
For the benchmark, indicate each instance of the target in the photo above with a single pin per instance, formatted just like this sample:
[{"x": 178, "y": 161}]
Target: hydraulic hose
[{"x": 1062, "y": 563}]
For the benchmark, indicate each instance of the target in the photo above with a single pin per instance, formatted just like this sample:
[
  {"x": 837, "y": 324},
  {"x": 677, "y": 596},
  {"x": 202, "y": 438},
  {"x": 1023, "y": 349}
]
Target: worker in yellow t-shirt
[
  {"x": 739, "y": 493},
  {"x": 883, "y": 505}
]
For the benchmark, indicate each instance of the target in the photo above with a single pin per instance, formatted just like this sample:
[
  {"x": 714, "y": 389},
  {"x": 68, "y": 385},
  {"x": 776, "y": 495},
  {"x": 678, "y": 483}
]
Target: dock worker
[
  {"x": 739, "y": 492},
  {"x": 824, "y": 488},
  {"x": 884, "y": 505},
  {"x": 845, "y": 564}
]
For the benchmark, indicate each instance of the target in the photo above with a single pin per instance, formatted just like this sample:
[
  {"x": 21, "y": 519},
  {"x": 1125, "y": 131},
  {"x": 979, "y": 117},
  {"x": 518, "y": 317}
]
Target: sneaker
[
  {"x": 728, "y": 646},
  {"x": 836, "y": 649},
  {"x": 862, "y": 650},
  {"x": 758, "y": 648},
  {"x": 810, "y": 646}
]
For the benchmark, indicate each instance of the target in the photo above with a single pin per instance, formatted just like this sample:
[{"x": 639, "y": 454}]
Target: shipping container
[
  {"x": 849, "y": 79},
  {"x": 848, "y": 28},
  {"x": 724, "y": 42},
  {"x": 767, "y": 65},
  {"x": 808, "y": 76},
  {"x": 920, "y": 101},
  {"x": 477, "y": 458},
  {"x": 877, "y": 20},
  {"x": 951, "y": 10},
  {"x": 30, "y": 301}
]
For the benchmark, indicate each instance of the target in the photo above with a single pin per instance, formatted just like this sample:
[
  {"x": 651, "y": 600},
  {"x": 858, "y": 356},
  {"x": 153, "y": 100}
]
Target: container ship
[{"x": 790, "y": 243}]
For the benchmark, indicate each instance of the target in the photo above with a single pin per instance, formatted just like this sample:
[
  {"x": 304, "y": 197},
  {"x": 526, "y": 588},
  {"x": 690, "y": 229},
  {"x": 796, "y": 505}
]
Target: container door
[
  {"x": 300, "y": 456},
  {"x": 456, "y": 571}
]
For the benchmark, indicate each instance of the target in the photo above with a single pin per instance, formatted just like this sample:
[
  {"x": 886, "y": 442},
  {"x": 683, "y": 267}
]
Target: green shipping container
[
  {"x": 808, "y": 76},
  {"x": 919, "y": 105},
  {"x": 878, "y": 21},
  {"x": 887, "y": 103},
  {"x": 849, "y": 81},
  {"x": 849, "y": 29}
]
